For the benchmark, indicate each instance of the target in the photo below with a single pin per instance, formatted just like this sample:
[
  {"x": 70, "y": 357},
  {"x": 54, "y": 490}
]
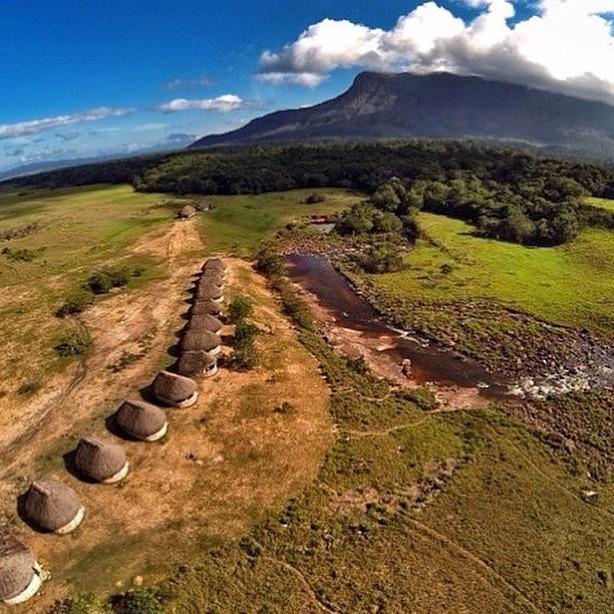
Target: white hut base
[
  {"x": 119, "y": 476},
  {"x": 210, "y": 372},
  {"x": 188, "y": 402},
  {"x": 219, "y": 300},
  {"x": 30, "y": 590},
  {"x": 158, "y": 435},
  {"x": 215, "y": 351},
  {"x": 73, "y": 524}
]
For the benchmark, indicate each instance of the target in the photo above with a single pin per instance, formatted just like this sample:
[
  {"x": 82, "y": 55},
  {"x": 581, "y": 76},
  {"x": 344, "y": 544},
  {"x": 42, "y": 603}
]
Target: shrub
[
  {"x": 244, "y": 357},
  {"x": 142, "y": 601},
  {"x": 245, "y": 333},
  {"x": 239, "y": 309},
  {"x": 314, "y": 198},
  {"x": 74, "y": 304},
  {"x": 294, "y": 307},
  {"x": 86, "y": 603},
  {"x": 72, "y": 343},
  {"x": 19, "y": 255},
  {"x": 270, "y": 262},
  {"x": 28, "y": 388},
  {"x": 102, "y": 282}
]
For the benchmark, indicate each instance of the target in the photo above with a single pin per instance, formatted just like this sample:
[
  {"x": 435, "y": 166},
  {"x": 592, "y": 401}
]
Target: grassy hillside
[{"x": 569, "y": 284}]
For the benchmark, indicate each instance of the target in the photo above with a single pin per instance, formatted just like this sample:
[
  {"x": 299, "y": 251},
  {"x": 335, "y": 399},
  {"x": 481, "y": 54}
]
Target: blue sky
[{"x": 81, "y": 78}]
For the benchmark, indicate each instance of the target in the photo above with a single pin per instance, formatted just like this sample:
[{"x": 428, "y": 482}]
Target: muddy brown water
[{"x": 430, "y": 364}]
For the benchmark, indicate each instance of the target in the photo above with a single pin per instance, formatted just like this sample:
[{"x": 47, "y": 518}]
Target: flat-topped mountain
[{"x": 439, "y": 105}]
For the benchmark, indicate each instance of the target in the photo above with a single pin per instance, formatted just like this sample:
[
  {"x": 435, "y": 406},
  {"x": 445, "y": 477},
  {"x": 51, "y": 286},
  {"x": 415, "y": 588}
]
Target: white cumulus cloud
[
  {"x": 9, "y": 131},
  {"x": 565, "y": 46},
  {"x": 224, "y": 104}
]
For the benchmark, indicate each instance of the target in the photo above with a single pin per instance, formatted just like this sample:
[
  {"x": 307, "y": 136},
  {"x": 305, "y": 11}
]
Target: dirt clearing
[{"x": 226, "y": 460}]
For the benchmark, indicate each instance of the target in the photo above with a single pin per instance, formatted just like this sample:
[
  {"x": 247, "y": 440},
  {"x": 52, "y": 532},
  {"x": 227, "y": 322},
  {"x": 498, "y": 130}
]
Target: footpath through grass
[
  {"x": 571, "y": 284},
  {"x": 445, "y": 512}
]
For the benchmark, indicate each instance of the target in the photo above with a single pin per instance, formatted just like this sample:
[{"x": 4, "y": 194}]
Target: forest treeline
[{"x": 508, "y": 194}]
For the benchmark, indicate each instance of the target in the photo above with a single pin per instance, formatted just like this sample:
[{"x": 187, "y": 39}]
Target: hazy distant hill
[{"x": 440, "y": 105}]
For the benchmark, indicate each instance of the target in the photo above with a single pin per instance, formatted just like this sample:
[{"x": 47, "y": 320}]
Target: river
[{"x": 347, "y": 312}]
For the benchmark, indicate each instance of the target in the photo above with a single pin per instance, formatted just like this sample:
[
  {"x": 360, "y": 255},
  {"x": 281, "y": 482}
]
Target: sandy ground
[
  {"x": 354, "y": 344},
  {"x": 225, "y": 462}
]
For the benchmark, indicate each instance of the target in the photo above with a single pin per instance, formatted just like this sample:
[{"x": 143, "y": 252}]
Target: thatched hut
[
  {"x": 208, "y": 291},
  {"x": 211, "y": 280},
  {"x": 101, "y": 460},
  {"x": 187, "y": 212},
  {"x": 201, "y": 340},
  {"x": 202, "y": 205},
  {"x": 53, "y": 506},
  {"x": 205, "y": 321},
  {"x": 174, "y": 390},
  {"x": 20, "y": 574},
  {"x": 141, "y": 420},
  {"x": 215, "y": 265},
  {"x": 206, "y": 305},
  {"x": 196, "y": 364}
]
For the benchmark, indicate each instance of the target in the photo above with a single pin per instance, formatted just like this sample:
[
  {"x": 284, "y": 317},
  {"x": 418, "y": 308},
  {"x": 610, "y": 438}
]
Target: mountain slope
[{"x": 439, "y": 105}]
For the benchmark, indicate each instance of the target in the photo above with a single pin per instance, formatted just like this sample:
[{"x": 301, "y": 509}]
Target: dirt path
[
  {"x": 226, "y": 461},
  {"x": 117, "y": 324}
]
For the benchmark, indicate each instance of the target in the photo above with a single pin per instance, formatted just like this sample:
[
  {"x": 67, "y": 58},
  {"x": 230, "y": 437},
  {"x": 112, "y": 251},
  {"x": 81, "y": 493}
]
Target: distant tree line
[{"x": 505, "y": 193}]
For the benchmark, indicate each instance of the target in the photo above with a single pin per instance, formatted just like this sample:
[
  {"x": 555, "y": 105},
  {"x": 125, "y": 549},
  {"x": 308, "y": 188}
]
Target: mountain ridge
[{"x": 439, "y": 105}]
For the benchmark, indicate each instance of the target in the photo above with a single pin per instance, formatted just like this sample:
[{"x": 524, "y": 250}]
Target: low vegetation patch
[{"x": 73, "y": 342}]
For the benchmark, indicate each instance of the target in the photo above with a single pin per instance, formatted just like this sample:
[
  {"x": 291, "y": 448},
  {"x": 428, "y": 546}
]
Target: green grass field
[
  {"x": 601, "y": 202},
  {"x": 68, "y": 234},
  {"x": 78, "y": 228},
  {"x": 238, "y": 223},
  {"x": 571, "y": 284},
  {"x": 412, "y": 512}
]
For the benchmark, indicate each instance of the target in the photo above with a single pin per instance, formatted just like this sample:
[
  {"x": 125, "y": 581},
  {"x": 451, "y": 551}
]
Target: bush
[
  {"x": 102, "y": 282},
  {"x": 245, "y": 333},
  {"x": 74, "y": 304},
  {"x": 86, "y": 603},
  {"x": 244, "y": 357},
  {"x": 28, "y": 388},
  {"x": 72, "y": 343},
  {"x": 270, "y": 262},
  {"x": 239, "y": 309},
  {"x": 139, "y": 601},
  {"x": 314, "y": 198},
  {"x": 294, "y": 307},
  {"x": 19, "y": 255}
]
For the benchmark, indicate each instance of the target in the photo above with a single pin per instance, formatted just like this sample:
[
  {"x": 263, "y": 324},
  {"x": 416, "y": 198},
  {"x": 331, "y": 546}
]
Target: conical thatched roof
[
  {"x": 17, "y": 567},
  {"x": 206, "y": 306},
  {"x": 204, "y": 321},
  {"x": 187, "y": 211},
  {"x": 50, "y": 505},
  {"x": 139, "y": 419},
  {"x": 209, "y": 291},
  {"x": 212, "y": 277},
  {"x": 98, "y": 459},
  {"x": 215, "y": 264},
  {"x": 173, "y": 389},
  {"x": 195, "y": 364},
  {"x": 195, "y": 340}
]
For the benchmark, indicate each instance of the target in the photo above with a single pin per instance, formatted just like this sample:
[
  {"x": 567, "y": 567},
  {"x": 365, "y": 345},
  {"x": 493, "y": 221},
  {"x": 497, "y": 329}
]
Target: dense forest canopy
[{"x": 509, "y": 194}]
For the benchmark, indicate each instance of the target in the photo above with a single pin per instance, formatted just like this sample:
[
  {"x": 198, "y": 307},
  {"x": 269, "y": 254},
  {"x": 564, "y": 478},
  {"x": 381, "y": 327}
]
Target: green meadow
[
  {"x": 571, "y": 284},
  {"x": 59, "y": 238},
  {"x": 237, "y": 224}
]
